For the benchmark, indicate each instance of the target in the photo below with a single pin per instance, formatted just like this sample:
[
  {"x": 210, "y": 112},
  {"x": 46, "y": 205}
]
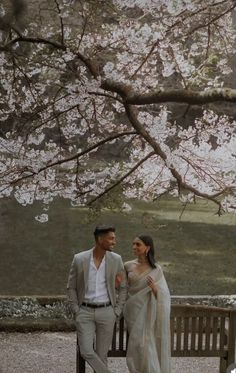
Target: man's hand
[{"x": 119, "y": 279}]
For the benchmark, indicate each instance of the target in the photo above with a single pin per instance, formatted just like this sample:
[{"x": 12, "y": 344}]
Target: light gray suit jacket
[{"x": 78, "y": 280}]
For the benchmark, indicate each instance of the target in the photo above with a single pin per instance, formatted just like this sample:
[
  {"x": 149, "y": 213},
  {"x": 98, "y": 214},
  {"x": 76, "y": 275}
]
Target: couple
[{"x": 100, "y": 288}]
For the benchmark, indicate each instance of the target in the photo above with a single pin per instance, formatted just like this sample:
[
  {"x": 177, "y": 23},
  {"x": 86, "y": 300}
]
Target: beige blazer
[{"x": 78, "y": 280}]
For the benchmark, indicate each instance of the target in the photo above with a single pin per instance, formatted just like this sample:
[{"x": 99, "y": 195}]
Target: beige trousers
[{"x": 95, "y": 325}]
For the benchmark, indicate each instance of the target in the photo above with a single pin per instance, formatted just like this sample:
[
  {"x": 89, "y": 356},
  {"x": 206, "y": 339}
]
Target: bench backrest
[
  {"x": 195, "y": 331},
  {"x": 200, "y": 331}
]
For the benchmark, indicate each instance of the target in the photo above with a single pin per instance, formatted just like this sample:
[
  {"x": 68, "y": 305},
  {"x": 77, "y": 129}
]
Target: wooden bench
[{"x": 195, "y": 331}]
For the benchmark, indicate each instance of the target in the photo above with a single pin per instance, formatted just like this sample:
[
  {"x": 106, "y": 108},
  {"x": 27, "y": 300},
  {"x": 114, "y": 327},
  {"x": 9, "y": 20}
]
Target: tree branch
[
  {"x": 61, "y": 21},
  {"x": 162, "y": 95},
  {"x": 118, "y": 182},
  {"x": 182, "y": 96},
  {"x": 76, "y": 156},
  {"x": 126, "y": 91},
  {"x": 182, "y": 184},
  {"x": 25, "y": 39},
  {"x": 105, "y": 95},
  {"x": 216, "y": 18}
]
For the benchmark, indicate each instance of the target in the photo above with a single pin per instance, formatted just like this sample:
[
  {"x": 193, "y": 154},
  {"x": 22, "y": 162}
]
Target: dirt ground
[{"x": 55, "y": 353}]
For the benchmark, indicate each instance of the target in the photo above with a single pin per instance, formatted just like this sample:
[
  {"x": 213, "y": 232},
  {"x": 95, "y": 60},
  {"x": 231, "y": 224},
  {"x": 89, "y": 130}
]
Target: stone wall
[{"x": 53, "y": 312}]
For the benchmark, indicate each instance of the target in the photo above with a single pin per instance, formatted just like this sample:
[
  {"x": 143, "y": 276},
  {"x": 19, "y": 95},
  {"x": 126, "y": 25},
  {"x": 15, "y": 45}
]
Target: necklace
[{"x": 142, "y": 261}]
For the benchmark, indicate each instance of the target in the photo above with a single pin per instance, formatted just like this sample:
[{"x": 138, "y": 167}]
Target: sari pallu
[{"x": 148, "y": 322}]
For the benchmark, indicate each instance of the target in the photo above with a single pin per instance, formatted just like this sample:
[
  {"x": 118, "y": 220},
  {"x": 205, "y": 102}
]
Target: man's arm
[
  {"x": 121, "y": 289},
  {"x": 71, "y": 288}
]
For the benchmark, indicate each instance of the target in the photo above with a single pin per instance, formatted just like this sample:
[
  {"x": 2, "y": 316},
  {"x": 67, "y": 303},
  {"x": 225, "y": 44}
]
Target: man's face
[{"x": 107, "y": 241}]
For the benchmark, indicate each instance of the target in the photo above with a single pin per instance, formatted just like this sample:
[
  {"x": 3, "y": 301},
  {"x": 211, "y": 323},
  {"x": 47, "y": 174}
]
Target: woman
[{"x": 147, "y": 311}]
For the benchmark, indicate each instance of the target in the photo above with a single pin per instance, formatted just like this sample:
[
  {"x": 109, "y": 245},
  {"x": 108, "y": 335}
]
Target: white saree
[{"x": 148, "y": 322}]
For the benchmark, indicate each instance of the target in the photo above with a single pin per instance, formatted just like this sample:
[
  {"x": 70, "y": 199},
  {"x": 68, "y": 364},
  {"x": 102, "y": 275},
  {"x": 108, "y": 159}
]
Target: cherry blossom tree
[{"x": 146, "y": 77}]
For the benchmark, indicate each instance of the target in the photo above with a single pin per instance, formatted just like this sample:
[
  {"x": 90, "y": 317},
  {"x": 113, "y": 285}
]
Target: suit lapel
[
  {"x": 108, "y": 270},
  {"x": 86, "y": 263}
]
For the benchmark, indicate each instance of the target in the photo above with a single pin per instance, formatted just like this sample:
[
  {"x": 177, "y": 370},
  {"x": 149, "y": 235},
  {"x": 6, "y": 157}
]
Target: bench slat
[
  {"x": 179, "y": 333},
  {"x": 201, "y": 353},
  {"x": 197, "y": 310},
  {"x": 200, "y": 333},
  {"x": 193, "y": 333},
  {"x": 186, "y": 333},
  {"x": 127, "y": 340},
  {"x": 172, "y": 332},
  {"x": 208, "y": 329},
  {"x": 113, "y": 344},
  {"x": 215, "y": 333},
  {"x": 231, "y": 338},
  {"x": 222, "y": 333},
  {"x": 121, "y": 335}
]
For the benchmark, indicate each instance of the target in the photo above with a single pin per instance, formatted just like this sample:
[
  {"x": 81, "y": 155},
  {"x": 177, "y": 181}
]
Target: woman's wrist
[{"x": 154, "y": 290}]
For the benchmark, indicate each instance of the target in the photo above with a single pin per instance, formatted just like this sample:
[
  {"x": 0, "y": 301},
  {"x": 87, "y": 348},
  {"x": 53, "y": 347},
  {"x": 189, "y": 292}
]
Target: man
[{"x": 97, "y": 292}]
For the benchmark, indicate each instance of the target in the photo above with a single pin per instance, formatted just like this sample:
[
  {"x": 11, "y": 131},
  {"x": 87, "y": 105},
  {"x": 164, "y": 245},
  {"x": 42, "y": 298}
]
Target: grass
[{"x": 197, "y": 253}]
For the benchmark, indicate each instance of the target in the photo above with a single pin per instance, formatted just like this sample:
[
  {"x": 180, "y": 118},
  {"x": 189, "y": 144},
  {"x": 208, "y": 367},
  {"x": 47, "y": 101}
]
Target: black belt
[{"x": 94, "y": 305}]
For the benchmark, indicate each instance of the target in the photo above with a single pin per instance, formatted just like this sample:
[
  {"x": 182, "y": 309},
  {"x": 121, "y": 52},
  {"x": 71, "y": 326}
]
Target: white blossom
[
  {"x": 59, "y": 104},
  {"x": 43, "y": 218}
]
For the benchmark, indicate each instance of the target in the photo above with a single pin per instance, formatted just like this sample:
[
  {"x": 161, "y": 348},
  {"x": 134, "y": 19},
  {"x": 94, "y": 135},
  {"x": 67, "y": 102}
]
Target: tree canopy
[{"x": 151, "y": 78}]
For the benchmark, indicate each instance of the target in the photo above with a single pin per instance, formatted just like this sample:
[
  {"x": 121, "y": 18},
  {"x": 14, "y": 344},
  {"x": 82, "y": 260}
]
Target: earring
[{"x": 146, "y": 253}]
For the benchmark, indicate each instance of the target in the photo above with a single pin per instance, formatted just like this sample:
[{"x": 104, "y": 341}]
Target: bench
[{"x": 195, "y": 331}]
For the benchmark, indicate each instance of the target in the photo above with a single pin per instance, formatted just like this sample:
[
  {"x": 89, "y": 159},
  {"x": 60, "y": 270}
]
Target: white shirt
[{"x": 96, "y": 291}]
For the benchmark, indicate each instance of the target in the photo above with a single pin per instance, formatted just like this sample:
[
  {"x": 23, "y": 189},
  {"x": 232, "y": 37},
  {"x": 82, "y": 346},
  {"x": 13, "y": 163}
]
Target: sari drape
[{"x": 148, "y": 322}]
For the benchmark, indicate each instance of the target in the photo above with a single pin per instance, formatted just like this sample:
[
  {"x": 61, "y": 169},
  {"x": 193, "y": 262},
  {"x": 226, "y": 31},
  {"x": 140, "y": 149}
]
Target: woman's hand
[{"x": 152, "y": 285}]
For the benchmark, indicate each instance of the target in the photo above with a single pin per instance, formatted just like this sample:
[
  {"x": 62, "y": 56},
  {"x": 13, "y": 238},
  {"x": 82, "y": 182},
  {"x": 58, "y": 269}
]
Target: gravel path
[{"x": 55, "y": 353}]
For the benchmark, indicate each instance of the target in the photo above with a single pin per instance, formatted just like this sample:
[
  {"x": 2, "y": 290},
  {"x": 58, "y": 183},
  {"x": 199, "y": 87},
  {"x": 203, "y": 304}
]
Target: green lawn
[{"x": 197, "y": 253}]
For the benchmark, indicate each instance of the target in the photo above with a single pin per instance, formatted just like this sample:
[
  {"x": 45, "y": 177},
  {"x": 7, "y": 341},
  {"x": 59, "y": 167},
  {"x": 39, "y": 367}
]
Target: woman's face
[{"x": 139, "y": 247}]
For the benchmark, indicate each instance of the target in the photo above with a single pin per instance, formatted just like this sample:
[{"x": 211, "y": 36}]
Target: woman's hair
[{"x": 148, "y": 241}]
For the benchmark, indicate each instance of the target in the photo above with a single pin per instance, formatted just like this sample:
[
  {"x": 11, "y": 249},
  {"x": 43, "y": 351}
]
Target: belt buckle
[
  {"x": 100, "y": 305},
  {"x": 91, "y": 305}
]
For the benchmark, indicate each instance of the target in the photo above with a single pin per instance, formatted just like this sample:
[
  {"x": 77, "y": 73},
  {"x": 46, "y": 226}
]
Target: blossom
[{"x": 65, "y": 103}]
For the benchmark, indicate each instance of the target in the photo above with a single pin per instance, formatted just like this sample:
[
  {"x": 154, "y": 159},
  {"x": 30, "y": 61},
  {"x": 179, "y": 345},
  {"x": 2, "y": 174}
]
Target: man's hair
[{"x": 103, "y": 229}]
